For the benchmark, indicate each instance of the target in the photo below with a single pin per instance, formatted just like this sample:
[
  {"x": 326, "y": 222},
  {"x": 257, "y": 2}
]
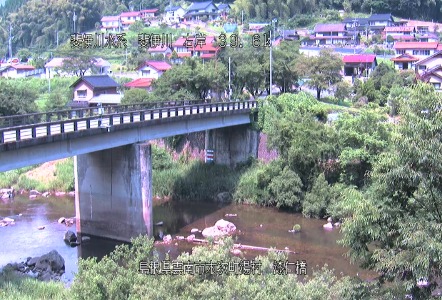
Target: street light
[{"x": 271, "y": 45}]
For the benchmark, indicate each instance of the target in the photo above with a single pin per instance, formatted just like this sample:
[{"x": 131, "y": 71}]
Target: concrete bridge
[{"x": 112, "y": 159}]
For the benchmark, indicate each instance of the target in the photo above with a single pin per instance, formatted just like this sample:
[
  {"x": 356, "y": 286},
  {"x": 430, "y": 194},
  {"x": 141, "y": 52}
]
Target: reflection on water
[{"x": 313, "y": 244}]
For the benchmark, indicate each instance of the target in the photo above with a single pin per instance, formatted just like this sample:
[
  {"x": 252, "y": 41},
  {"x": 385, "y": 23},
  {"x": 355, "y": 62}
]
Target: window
[
  {"x": 422, "y": 67},
  {"x": 145, "y": 72},
  {"x": 81, "y": 93},
  {"x": 400, "y": 51},
  {"x": 421, "y": 52},
  {"x": 436, "y": 85}
]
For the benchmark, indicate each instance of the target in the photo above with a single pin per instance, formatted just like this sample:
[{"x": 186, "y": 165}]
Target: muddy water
[{"x": 264, "y": 227}]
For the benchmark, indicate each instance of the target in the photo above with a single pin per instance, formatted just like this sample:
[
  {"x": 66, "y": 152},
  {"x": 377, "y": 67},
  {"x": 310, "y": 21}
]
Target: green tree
[
  {"x": 401, "y": 214},
  {"x": 323, "y": 70},
  {"x": 317, "y": 199},
  {"x": 15, "y": 100},
  {"x": 134, "y": 96}
]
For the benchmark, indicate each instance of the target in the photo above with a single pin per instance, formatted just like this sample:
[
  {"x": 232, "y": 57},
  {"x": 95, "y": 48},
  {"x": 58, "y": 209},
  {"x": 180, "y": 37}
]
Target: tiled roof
[
  {"x": 153, "y": 10},
  {"x": 330, "y": 27},
  {"x": 110, "y": 18},
  {"x": 130, "y": 14},
  {"x": 359, "y": 58},
  {"x": 398, "y": 29},
  {"x": 97, "y": 81},
  {"x": 173, "y": 8},
  {"x": 404, "y": 57},
  {"x": 56, "y": 62},
  {"x": 199, "y": 6},
  {"x": 139, "y": 83},
  {"x": 22, "y": 67},
  {"x": 157, "y": 65},
  {"x": 416, "y": 45},
  {"x": 380, "y": 17}
]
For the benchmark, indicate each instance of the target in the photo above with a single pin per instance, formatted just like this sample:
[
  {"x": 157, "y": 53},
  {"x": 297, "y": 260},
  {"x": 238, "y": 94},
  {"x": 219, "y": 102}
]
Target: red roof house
[
  {"x": 359, "y": 64},
  {"x": 140, "y": 83},
  {"x": 153, "y": 69}
]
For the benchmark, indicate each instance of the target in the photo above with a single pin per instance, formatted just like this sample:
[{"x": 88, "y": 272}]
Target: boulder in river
[
  {"x": 194, "y": 230},
  {"x": 221, "y": 228},
  {"x": 224, "y": 197},
  {"x": 69, "y": 237},
  {"x": 51, "y": 262},
  {"x": 62, "y": 220},
  {"x": 167, "y": 239}
]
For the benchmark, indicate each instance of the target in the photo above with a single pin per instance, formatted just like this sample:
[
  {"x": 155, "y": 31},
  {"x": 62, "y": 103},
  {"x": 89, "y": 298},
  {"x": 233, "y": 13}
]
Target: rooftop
[
  {"x": 200, "y": 6},
  {"x": 157, "y": 65},
  {"x": 416, "y": 45},
  {"x": 330, "y": 27},
  {"x": 359, "y": 58},
  {"x": 97, "y": 81},
  {"x": 110, "y": 18},
  {"x": 139, "y": 83},
  {"x": 130, "y": 14}
]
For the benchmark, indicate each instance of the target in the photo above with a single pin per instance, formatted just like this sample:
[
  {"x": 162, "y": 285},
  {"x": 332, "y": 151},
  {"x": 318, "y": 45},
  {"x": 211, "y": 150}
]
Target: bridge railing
[
  {"x": 34, "y": 118},
  {"x": 31, "y": 131}
]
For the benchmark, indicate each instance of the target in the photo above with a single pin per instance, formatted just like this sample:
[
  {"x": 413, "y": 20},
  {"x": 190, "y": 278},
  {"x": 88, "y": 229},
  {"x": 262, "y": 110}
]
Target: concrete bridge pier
[
  {"x": 232, "y": 145},
  {"x": 113, "y": 192}
]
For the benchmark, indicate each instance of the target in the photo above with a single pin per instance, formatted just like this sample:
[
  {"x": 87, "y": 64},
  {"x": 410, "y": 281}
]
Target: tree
[
  {"x": 323, "y": 70},
  {"x": 317, "y": 199},
  {"x": 15, "y": 100},
  {"x": 134, "y": 96},
  {"x": 401, "y": 215}
]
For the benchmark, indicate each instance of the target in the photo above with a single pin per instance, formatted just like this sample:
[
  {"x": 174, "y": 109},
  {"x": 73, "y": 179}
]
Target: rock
[
  {"x": 328, "y": 226},
  {"x": 34, "y": 192},
  {"x": 51, "y": 261},
  {"x": 46, "y": 194},
  {"x": 41, "y": 227},
  {"x": 59, "y": 194},
  {"x": 224, "y": 197},
  {"x": 69, "y": 222},
  {"x": 31, "y": 262},
  {"x": 8, "y": 219},
  {"x": 45, "y": 276},
  {"x": 159, "y": 223},
  {"x": 69, "y": 237},
  {"x": 329, "y": 220},
  {"x": 221, "y": 228},
  {"x": 85, "y": 238},
  {"x": 194, "y": 230},
  {"x": 32, "y": 274},
  {"x": 32, "y": 196},
  {"x": 231, "y": 215},
  {"x": 337, "y": 224},
  {"x": 71, "y": 194},
  {"x": 236, "y": 251},
  {"x": 190, "y": 238},
  {"x": 3, "y": 223},
  {"x": 62, "y": 220},
  {"x": 74, "y": 244},
  {"x": 167, "y": 239},
  {"x": 179, "y": 237}
]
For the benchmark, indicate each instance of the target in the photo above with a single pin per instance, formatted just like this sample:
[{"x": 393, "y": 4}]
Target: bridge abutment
[
  {"x": 113, "y": 192},
  {"x": 232, "y": 145}
]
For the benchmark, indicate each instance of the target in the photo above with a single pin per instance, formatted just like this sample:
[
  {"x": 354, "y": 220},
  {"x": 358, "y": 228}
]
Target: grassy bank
[{"x": 50, "y": 176}]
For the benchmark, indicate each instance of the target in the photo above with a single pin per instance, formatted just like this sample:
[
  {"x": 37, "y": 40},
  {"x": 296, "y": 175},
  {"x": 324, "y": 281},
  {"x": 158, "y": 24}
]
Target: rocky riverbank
[{"x": 47, "y": 267}]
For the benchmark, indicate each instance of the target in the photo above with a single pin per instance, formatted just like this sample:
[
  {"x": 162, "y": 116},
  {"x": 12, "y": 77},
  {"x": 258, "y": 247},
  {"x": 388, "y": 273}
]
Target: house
[
  {"x": 417, "y": 49},
  {"x": 429, "y": 62},
  {"x": 91, "y": 90},
  {"x": 18, "y": 71},
  {"x": 140, "y": 83},
  {"x": 174, "y": 14},
  {"x": 111, "y": 23},
  {"x": 356, "y": 25},
  {"x": 359, "y": 65},
  {"x": 224, "y": 10},
  {"x": 423, "y": 27},
  {"x": 160, "y": 49},
  {"x": 404, "y": 61},
  {"x": 433, "y": 76},
  {"x": 399, "y": 33},
  {"x": 128, "y": 18},
  {"x": 54, "y": 67},
  {"x": 189, "y": 47},
  {"x": 330, "y": 34},
  {"x": 202, "y": 11},
  {"x": 289, "y": 35},
  {"x": 426, "y": 37},
  {"x": 257, "y": 27},
  {"x": 377, "y": 22},
  {"x": 153, "y": 69},
  {"x": 147, "y": 14}
]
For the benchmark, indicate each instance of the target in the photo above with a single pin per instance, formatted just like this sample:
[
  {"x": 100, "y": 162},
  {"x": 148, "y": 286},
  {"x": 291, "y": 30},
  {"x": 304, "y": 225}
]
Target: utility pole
[
  {"x": 242, "y": 17},
  {"x": 56, "y": 37},
  {"x": 74, "y": 18},
  {"x": 271, "y": 83},
  {"x": 354, "y": 36},
  {"x": 10, "y": 42},
  {"x": 230, "y": 87}
]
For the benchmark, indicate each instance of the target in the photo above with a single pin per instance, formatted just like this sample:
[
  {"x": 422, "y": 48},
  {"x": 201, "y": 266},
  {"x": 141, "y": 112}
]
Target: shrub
[{"x": 317, "y": 200}]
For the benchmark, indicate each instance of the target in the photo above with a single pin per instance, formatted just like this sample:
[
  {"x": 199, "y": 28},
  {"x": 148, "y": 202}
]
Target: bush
[{"x": 316, "y": 201}]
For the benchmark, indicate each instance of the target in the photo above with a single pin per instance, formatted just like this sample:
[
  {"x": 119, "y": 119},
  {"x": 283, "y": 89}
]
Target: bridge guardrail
[
  {"x": 34, "y": 118},
  {"x": 31, "y": 131}
]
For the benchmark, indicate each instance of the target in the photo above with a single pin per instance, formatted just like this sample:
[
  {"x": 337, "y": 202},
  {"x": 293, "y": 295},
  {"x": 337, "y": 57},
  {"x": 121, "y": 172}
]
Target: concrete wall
[
  {"x": 113, "y": 192},
  {"x": 233, "y": 145}
]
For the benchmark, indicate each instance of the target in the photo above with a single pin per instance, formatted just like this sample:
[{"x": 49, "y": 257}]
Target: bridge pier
[
  {"x": 113, "y": 192},
  {"x": 232, "y": 145}
]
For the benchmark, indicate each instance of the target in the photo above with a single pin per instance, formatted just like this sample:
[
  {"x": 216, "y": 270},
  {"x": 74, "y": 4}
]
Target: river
[{"x": 259, "y": 226}]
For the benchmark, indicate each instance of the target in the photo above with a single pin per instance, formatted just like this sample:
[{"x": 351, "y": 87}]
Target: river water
[{"x": 258, "y": 226}]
